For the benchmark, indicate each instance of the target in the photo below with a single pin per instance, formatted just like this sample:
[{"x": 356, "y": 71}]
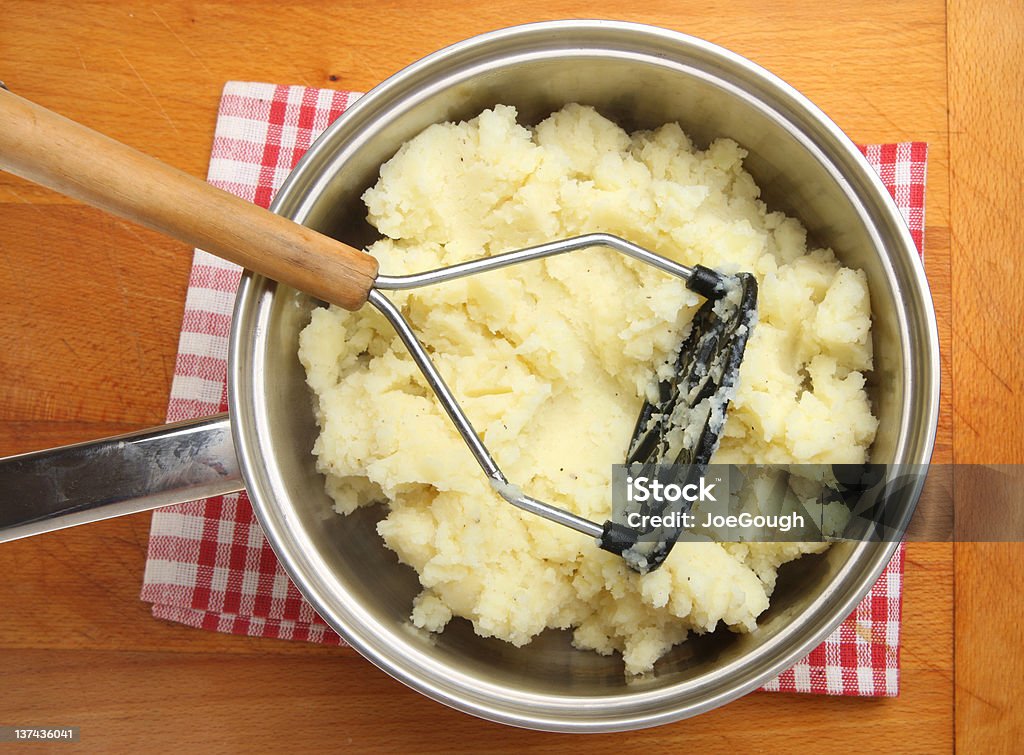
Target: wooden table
[{"x": 91, "y": 308}]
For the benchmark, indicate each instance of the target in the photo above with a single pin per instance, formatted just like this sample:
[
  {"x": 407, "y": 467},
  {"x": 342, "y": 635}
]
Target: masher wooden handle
[{"x": 65, "y": 156}]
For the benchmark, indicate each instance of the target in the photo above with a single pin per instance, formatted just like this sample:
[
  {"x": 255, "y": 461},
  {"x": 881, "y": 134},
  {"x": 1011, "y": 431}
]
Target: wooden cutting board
[{"x": 90, "y": 309}]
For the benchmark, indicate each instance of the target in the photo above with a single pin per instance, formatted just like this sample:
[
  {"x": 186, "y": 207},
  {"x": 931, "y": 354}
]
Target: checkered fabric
[{"x": 209, "y": 565}]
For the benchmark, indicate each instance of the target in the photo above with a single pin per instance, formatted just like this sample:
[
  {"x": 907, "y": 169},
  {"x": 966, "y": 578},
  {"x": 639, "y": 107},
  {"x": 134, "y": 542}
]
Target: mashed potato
[{"x": 551, "y": 360}]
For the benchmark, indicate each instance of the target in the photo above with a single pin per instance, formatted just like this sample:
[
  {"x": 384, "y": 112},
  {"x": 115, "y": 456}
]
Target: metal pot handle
[{"x": 85, "y": 482}]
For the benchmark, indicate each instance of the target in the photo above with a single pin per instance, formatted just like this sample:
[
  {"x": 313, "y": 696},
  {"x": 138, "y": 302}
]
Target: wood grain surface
[
  {"x": 91, "y": 306},
  {"x": 986, "y": 120}
]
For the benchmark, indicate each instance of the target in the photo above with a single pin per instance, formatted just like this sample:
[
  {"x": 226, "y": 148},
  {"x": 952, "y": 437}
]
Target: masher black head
[{"x": 684, "y": 426}]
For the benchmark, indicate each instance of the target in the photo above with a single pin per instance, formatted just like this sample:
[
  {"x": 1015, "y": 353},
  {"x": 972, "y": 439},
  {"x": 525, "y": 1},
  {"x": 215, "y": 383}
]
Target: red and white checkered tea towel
[{"x": 209, "y": 565}]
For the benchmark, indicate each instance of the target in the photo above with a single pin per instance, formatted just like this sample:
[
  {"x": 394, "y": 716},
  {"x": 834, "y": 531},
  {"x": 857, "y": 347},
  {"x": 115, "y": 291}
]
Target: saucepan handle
[{"x": 85, "y": 482}]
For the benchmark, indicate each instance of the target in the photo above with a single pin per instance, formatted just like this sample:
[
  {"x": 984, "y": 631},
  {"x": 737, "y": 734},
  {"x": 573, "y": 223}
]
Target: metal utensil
[
  {"x": 44, "y": 147},
  {"x": 640, "y": 77},
  {"x": 706, "y": 370}
]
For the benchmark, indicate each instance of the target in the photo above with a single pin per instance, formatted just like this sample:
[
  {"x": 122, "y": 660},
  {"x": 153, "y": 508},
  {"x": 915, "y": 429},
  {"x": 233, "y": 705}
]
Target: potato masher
[{"x": 55, "y": 152}]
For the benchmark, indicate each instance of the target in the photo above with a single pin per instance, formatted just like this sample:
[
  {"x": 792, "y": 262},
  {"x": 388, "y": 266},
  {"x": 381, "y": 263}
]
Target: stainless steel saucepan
[{"x": 641, "y": 77}]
